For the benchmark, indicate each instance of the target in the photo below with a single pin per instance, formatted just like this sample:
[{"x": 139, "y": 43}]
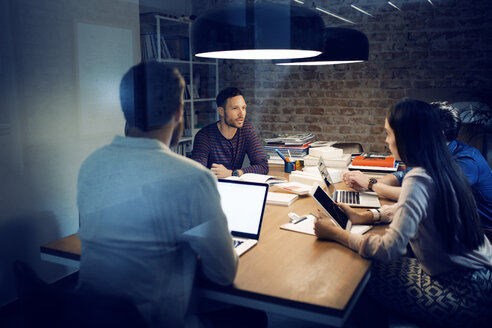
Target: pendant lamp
[
  {"x": 258, "y": 31},
  {"x": 341, "y": 46}
]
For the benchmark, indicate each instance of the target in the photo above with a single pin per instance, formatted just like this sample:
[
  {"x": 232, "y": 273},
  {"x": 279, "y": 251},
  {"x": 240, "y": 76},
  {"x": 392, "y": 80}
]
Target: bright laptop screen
[{"x": 243, "y": 204}]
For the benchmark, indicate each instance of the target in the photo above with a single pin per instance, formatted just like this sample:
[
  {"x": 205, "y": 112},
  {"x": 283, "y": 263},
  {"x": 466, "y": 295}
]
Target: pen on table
[
  {"x": 281, "y": 155},
  {"x": 301, "y": 219}
]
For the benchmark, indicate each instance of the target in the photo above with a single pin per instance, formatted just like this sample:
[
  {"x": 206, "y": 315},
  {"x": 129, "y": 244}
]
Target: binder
[{"x": 370, "y": 160}]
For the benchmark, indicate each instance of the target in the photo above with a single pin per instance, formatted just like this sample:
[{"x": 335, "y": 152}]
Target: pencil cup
[{"x": 289, "y": 167}]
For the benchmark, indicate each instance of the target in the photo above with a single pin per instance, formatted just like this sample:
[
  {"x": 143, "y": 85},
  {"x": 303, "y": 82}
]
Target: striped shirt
[{"x": 210, "y": 146}]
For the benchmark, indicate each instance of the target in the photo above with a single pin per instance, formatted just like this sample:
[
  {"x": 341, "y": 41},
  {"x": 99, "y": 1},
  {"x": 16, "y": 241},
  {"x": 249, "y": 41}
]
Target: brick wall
[{"x": 442, "y": 48}]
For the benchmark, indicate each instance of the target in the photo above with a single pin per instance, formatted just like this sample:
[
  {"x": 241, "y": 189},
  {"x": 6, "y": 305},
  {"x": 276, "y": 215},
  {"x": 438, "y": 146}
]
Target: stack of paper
[
  {"x": 333, "y": 157},
  {"x": 326, "y": 152},
  {"x": 280, "y": 198},
  {"x": 307, "y": 178},
  {"x": 294, "y": 146},
  {"x": 335, "y": 173},
  {"x": 294, "y": 187},
  {"x": 291, "y": 139}
]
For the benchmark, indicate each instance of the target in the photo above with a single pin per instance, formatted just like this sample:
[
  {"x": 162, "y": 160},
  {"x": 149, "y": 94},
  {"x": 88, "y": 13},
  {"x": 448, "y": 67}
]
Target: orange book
[{"x": 382, "y": 161}]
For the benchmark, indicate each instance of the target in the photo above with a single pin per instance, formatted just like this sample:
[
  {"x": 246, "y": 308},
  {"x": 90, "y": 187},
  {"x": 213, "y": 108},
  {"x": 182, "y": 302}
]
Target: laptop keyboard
[
  {"x": 348, "y": 197},
  {"x": 237, "y": 243}
]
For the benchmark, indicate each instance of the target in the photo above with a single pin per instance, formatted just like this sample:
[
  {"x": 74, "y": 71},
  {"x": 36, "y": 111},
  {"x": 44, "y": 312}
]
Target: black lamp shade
[
  {"x": 341, "y": 45},
  {"x": 241, "y": 31}
]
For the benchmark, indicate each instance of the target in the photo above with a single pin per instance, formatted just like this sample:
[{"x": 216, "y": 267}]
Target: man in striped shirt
[{"x": 222, "y": 146}]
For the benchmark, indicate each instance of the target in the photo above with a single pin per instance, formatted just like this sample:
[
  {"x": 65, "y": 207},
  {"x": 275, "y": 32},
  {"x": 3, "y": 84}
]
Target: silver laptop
[
  {"x": 243, "y": 204},
  {"x": 349, "y": 197}
]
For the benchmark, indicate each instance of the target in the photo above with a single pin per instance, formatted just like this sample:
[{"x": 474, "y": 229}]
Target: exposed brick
[{"x": 446, "y": 46}]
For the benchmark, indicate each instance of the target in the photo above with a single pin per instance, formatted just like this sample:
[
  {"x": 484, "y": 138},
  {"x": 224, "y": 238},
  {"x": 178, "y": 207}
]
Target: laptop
[
  {"x": 243, "y": 204},
  {"x": 349, "y": 197}
]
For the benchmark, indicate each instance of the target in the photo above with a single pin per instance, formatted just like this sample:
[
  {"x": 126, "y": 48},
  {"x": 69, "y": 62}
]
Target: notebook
[
  {"x": 280, "y": 198},
  {"x": 349, "y": 197},
  {"x": 243, "y": 204}
]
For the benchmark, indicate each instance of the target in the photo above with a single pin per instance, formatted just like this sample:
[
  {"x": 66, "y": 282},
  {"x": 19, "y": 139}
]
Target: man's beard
[
  {"x": 232, "y": 123},
  {"x": 177, "y": 133}
]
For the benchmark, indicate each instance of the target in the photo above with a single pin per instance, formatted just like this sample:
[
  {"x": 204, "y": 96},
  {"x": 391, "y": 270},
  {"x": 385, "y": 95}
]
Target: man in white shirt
[{"x": 147, "y": 214}]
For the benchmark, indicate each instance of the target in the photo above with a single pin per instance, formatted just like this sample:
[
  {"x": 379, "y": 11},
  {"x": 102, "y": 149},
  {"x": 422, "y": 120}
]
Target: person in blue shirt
[{"x": 469, "y": 159}]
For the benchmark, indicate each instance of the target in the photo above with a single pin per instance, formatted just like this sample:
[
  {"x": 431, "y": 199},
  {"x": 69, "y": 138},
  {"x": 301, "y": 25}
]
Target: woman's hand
[
  {"x": 356, "y": 217},
  {"x": 324, "y": 228}
]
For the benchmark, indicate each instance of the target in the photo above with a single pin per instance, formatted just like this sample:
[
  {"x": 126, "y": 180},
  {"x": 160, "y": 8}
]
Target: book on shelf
[
  {"x": 378, "y": 160},
  {"x": 149, "y": 47},
  {"x": 187, "y": 92},
  {"x": 178, "y": 47},
  {"x": 280, "y": 198}
]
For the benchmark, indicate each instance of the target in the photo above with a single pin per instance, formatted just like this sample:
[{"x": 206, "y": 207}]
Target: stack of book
[
  {"x": 333, "y": 157},
  {"x": 291, "y": 139},
  {"x": 294, "y": 146},
  {"x": 374, "y": 163}
]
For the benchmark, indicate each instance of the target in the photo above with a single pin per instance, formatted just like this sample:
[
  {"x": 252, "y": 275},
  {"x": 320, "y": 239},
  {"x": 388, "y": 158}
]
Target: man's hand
[
  {"x": 221, "y": 171},
  {"x": 356, "y": 180}
]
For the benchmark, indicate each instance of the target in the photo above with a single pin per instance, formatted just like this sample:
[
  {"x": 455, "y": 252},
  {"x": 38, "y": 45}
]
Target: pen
[
  {"x": 281, "y": 155},
  {"x": 290, "y": 156},
  {"x": 301, "y": 219}
]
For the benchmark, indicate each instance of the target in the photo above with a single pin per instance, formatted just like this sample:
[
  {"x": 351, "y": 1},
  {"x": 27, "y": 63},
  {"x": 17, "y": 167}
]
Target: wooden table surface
[{"x": 285, "y": 266}]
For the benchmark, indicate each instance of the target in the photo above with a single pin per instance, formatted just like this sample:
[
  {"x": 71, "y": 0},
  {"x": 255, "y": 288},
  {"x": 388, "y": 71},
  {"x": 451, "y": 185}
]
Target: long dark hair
[{"x": 421, "y": 143}]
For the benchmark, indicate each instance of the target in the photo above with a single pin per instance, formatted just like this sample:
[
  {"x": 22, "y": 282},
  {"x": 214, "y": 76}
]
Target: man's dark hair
[
  {"x": 226, "y": 94},
  {"x": 450, "y": 119},
  {"x": 150, "y": 93}
]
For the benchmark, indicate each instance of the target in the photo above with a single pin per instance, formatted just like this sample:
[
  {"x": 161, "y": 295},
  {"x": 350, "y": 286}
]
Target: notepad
[
  {"x": 280, "y": 198},
  {"x": 307, "y": 227}
]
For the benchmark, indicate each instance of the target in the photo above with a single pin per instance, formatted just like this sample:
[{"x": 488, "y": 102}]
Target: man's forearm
[{"x": 386, "y": 191}]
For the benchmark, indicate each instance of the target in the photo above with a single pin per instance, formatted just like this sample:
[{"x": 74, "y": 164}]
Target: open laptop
[
  {"x": 349, "y": 197},
  {"x": 243, "y": 204}
]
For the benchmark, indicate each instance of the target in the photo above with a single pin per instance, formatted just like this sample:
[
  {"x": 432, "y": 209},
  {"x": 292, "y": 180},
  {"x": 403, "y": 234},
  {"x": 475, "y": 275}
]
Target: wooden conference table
[{"x": 287, "y": 273}]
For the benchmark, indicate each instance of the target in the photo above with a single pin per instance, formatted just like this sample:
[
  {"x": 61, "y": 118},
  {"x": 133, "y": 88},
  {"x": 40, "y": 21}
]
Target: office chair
[
  {"x": 349, "y": 147},
  {"x": 43, "y": 305}
]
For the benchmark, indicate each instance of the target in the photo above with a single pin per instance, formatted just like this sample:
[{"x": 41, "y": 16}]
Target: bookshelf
[{"x": 167, "y": 39}]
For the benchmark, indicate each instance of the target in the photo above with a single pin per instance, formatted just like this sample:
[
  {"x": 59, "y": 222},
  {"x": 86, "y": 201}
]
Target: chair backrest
[{"x": 43, "y": 305}]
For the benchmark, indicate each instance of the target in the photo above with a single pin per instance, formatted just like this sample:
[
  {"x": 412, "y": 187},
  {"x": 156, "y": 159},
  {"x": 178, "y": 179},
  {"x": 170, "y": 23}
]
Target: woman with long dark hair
[{"x": 449, "y": 281}]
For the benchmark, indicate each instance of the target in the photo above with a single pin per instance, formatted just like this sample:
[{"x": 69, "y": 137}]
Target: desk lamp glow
[
  {"x": 341, "y": 46},
  {"x": 258, "y": 31}
]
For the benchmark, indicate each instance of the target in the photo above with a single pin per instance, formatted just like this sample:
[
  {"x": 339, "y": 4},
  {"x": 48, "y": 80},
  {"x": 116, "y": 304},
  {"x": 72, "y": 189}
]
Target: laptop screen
[{"x": 243, "y": 204}]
